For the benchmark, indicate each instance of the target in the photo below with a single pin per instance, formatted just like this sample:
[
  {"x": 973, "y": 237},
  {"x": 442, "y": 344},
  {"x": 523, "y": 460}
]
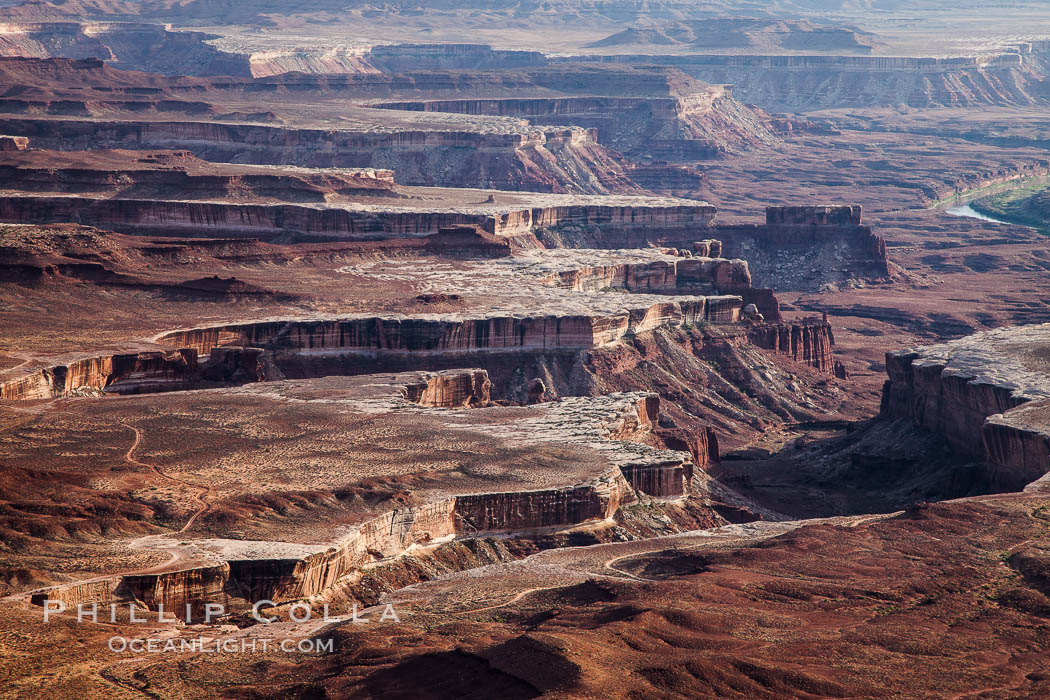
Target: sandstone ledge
[
  {"x": 986, "y": 394},
  {"x": 236, "y": 572}
]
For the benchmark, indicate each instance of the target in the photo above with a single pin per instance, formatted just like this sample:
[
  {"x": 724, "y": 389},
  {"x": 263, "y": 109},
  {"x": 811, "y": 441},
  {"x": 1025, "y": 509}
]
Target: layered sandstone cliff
[
  {"x": 809, "y": 342},
  {"x": 539, "y": 159},
  {"x": 986, "y": 394},
  {"x": 338, "y": 59},
  {"x": 135, "y": 373},
  {"x": 13, "y": 143},
  {"x": 433, "y": 334},
  {"x": 451, "y": 389},
  {"x": 685, "y": 127},
  {"x": 676, "y": 275},
  {"x": 152, "y": 48},
  {"x": 633, "y": 218},
  {"x": 800, "y": 247},
  {"x": 179, "y": 175},
  {"x": 361, "y": 345},
  {"x": 805, "y": 83},
  {"x": 659, "y": 276},
  {"x": 403, "y": 58},
  {"x": 830, "y": 237},
  {"x": 239, "y": 573}
]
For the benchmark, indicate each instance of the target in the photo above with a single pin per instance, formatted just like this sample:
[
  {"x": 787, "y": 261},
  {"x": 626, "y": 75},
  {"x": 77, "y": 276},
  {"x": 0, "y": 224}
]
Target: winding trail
[
  {"x": 512, "y": 601},
  {"x": 628, "y": 574},
  {"x": 204, "y": 492},
  {"x": 175, "y": 552}
]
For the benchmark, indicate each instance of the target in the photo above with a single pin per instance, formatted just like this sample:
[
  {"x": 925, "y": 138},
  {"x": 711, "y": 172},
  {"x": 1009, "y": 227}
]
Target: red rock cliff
[{"x": 809, "y": 342}]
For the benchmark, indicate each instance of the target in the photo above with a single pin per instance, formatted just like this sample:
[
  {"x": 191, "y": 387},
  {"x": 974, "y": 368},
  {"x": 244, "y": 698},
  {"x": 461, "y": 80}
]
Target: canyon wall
[
  {"x": 1017, "y": 444},
  {"x": 269, "y": 221},
  {"x": 698, "y": 125},
  {"x": 220, "y": 219},
  {"x": 423, "y": 335},
  {"x": 174, "y": 182},
  {"x": 793, "y": 226},
  {"x": 183, "y": 593},
  {"x": 830, "y": 238},
  {"x": 682, "y": 275},
  {"x": 809, "y": 342},
  {"x": 984, "y": 394},
  {"x": 665, "y": 479},
  {"x": 238, "y": 583},
  {"x": 805, "y": 83},
  {"x": 798, "y": 248},
  {"x": 951, "y": 404},
  {"x": 532, "y": 159},
  {"x": 262, "y": 64},
  {"x": 285, "y": 349},
  {"x": 660, "y": 276},
  {"x": 530, "y": 510},
  {"x": 293, "y": 572},
  {"x": 135, "y": 373},
  {"x": 138, "y": 46},
  {"x": 403, "y": 58}
]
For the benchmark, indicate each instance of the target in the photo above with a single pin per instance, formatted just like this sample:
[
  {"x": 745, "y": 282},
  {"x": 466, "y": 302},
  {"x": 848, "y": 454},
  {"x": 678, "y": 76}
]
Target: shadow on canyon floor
[{"x": 844, "y": 468}]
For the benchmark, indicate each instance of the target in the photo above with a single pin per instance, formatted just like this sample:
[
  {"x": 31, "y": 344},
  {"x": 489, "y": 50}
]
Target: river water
[
  {"x": 967, "y": 210},
  {"x": 960, "y": 206}
]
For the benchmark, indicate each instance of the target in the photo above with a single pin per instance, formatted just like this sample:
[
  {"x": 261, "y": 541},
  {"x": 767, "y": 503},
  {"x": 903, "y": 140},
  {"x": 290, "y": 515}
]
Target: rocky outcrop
[
  {"x": 685, "y": 127},
  {"x": 451, "y": 389},
  {"x": 665, "y": 479},
  {"x": 537, "y": 159},
  {"x": 797, "y": 248},
  {"x": 269, "y": 221},
  {"x": 809, "y": 215},
  {"x": 121, "y": 374},
  {"x": 660, "y": 276},
  {"x": 987, "y": 395},
  {"x": 13, "y": 143},
  {"x": 152, "y": 48},
  {"x": 765, "y": 302},
  {"x": 809, "y": 342},
  {"x": 680, "y": 275},
  {"x": 802, "y": 225},
  {"x": 399, "y": 335},
  {"x": 245, "y": 572},
  {"x": 708, "y": 248},
  {"x": 536, "y": 391},
  {"x": 806, "y": 237},
  {"x": 805, "y": 83},
  {"x": 702, "y": 445}
]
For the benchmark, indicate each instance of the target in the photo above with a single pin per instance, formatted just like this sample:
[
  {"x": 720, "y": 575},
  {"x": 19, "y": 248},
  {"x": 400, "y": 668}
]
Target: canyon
[
  {"x": 252, "y": 571},
  {"x": 969, "y": 390},
  {"x": 789, "y": 83},
  {"x": 700, "y": 123},
  {"x": 603, "y": 349}
]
